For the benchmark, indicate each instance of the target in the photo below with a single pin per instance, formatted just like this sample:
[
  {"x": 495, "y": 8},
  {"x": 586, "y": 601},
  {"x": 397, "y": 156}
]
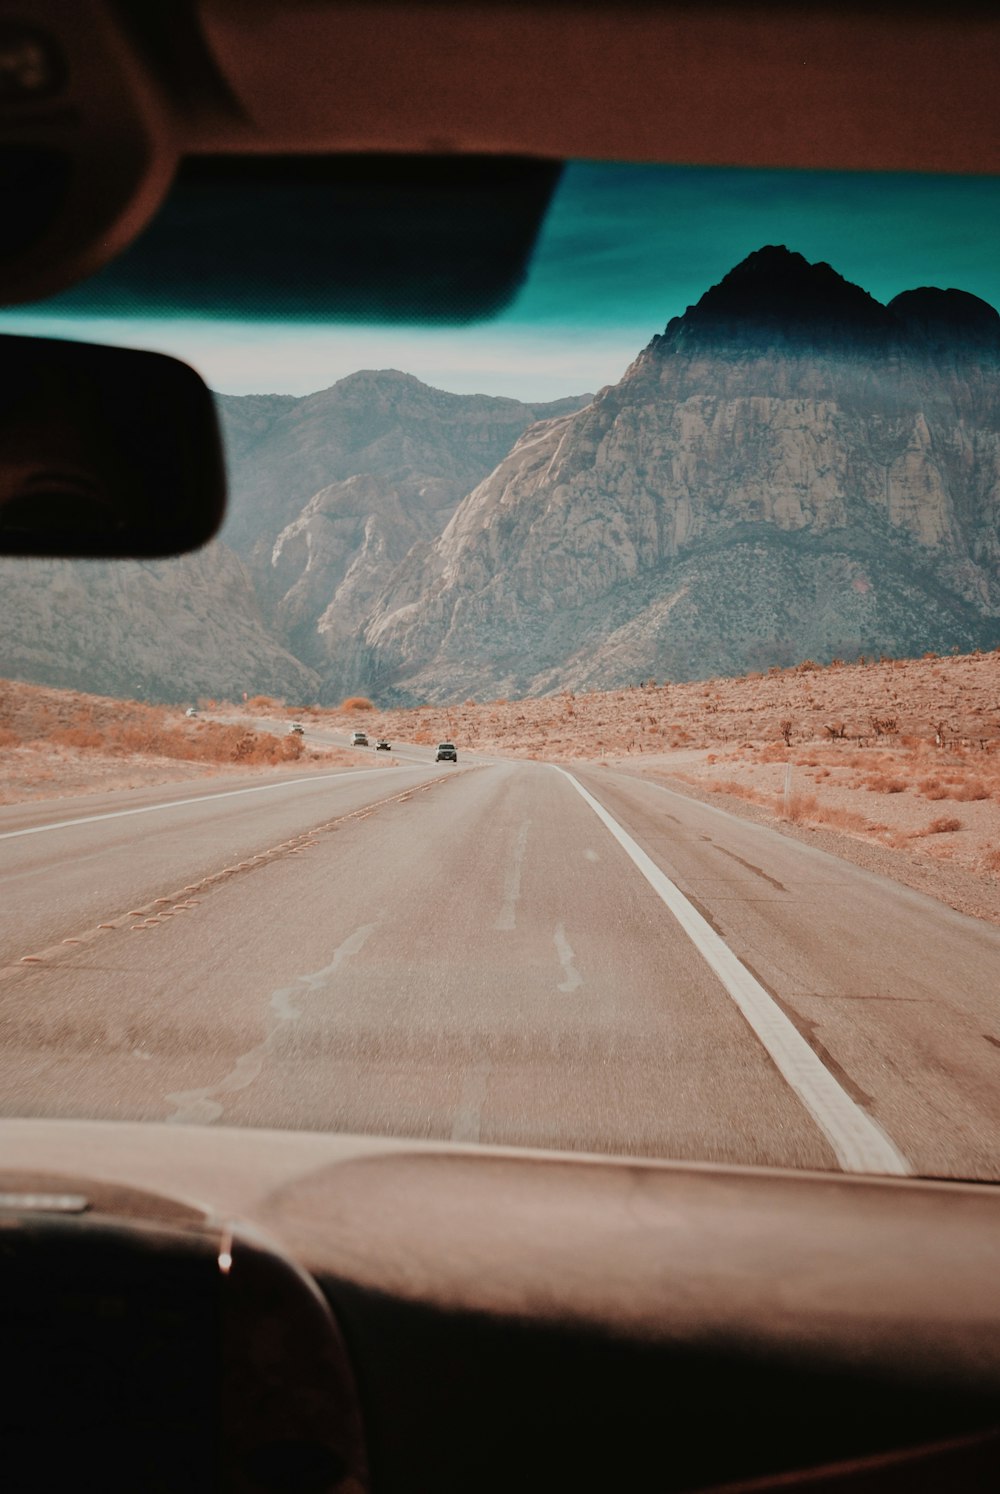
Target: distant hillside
[
  {"x": 791, "y": 469},
  {"x": 327, "y": 494}
]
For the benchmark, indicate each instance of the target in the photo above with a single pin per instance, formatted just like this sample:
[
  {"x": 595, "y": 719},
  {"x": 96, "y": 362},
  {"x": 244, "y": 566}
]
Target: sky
[{"x": 623, "y": 249}]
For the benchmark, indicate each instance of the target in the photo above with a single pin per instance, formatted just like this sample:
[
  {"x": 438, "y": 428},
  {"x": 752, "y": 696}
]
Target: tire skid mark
[
  {"x": 159, "y": 909},
  {"x": 506, "y": 919}
]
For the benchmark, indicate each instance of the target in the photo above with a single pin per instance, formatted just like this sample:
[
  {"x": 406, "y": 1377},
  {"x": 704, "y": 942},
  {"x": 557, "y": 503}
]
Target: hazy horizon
[{"x": 624, "y": 249}]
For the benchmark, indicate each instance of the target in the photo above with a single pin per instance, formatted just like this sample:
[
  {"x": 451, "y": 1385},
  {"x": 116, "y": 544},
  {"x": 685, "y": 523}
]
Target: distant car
[
  {"x": 190, "y": 711},
  {"x": 446, "y": 753},
  {"x": 382, "y": 745},
  {"x": 359, "y": 739},
  {"x": 296, "y": 729}
]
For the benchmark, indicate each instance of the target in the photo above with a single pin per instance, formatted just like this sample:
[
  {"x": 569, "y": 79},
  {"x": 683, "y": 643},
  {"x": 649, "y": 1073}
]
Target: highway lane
[
  {"x": 66, "y": 864},
  {"x": 898, "y": 993},
  {"x": 400, "y": 751},
  {"x": 480, "y": 959}
]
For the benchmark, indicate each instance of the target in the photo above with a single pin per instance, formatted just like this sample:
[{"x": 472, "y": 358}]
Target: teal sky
[{"x": 624, "y": 248}]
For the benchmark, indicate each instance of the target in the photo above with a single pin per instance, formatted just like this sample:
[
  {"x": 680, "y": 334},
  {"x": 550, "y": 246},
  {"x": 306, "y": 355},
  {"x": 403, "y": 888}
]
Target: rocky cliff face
[
  {"x": 327, "y": 495},
  {"x": 790, "y": 470},
  {"x": 331, "y": 492}
]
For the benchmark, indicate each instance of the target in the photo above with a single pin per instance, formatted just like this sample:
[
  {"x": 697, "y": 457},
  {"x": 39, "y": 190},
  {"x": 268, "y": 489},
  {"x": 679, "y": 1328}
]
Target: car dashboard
[
  {"x": 194, "y": 1309},
  {"x": 191, "y": 1308}
]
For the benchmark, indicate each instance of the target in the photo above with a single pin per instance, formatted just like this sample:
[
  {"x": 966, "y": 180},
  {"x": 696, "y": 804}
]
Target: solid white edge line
[
  {"x": 257, "y": 788},
  {"x": 858, "y": 1141}
]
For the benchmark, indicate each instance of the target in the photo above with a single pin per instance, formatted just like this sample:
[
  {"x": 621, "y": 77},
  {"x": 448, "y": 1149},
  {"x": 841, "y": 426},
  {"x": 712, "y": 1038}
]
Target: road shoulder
[{"x": 966, "y": 891}]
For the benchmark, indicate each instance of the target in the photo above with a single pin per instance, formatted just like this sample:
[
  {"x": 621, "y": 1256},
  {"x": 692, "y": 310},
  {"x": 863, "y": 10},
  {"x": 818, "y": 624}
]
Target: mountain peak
[
  {"x": 941, "y": 317},
  {"x": 776, "y": 295}
]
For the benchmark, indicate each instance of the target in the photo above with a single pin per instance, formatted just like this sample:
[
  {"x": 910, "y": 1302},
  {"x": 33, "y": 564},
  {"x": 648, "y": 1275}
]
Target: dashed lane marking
[
  {"x": 507, "y": 917},
  {"x": 571, "y": 975}
]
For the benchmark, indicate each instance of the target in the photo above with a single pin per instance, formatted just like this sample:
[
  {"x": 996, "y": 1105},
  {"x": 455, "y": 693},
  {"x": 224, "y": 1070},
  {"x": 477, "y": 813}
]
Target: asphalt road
[{"x": 499, "y": 952}]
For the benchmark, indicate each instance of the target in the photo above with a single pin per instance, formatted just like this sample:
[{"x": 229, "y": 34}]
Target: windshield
[{"x": 693, "y": 551}]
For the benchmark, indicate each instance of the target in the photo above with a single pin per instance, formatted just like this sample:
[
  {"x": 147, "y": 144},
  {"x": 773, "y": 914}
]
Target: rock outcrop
[
  {"x": 328, "y": 493},
  {"x": 789, "y": 470},
  {"x": 331, "y": 492}
]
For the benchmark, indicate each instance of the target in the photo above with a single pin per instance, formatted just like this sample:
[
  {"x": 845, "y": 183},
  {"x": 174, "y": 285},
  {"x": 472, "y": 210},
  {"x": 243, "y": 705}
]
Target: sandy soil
[
  {"x": 894, "y": 764},
  {"x": 958, "y": 864},
  {"x": 56, "y": 744}
]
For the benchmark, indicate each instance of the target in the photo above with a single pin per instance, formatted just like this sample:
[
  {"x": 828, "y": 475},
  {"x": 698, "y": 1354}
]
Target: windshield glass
[{"x": 693, "y": 551}]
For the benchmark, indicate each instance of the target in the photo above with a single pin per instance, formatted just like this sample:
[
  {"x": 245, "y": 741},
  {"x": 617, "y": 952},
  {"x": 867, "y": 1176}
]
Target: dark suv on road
[{"x": 446, "y": 753}]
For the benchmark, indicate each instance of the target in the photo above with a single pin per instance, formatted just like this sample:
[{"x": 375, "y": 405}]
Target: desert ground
[
  {"x": 894, "y": 763},
  {"x": 57, "y": 743}
]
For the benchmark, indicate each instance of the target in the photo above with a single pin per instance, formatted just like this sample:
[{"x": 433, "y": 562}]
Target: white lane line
[
  {"x": 261, "y": 788},
  {"x": 198, "y": 1107},
  {"x": 507, "y": 917},
  {"x": 859, "y": 1142},
  {"x": 565, "y": 952}
]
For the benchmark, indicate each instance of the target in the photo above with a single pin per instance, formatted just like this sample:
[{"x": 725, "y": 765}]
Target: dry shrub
[
  {"x": 931, "y": 788},
  {"x": 147, "y": 731},
  {"x": 356, "y": 703},
  {"x": 991, "y": 861},
  {"x": 262, "y": 703},
  {"x": 842, "y": 819},
  {"x": 880, "y": 784},
  {"x": 78, "y": 736},
  {"x": 798, "y": 807},
  {"x": 943, "y": 825},
  {"x": 8, "y": 738},
  {"x": 967, "y": 792},
  {"x": 732, "y": 786}
]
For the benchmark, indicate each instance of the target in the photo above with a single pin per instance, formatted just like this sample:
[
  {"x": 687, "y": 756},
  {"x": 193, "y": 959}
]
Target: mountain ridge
[
  {"x": 876, "y": 430},
  {"x": 789, "y": 468}
]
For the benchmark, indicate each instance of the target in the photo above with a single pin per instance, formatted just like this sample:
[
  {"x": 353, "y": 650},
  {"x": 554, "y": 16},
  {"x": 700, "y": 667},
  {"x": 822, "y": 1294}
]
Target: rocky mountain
[
  {"x": 163, "y": 630},
  {"x": 790, "y": 470},
  {"x": 331, "y": 492},
  {"x": 282, "y": 450},
  {"x": 328, "y": 493}
]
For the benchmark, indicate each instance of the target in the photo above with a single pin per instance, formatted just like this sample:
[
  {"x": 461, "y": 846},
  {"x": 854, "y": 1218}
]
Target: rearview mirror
[{"x": 105, "y": 452}]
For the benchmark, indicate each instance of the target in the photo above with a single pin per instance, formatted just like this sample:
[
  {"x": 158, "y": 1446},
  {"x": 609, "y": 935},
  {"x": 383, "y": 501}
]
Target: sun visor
[{"x": 395, "y": 238}]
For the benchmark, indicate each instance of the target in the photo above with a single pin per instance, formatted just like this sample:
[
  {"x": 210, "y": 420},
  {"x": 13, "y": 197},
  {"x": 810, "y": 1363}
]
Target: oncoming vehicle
[
  {"x": 190, "y": 711},
  {"x": 382, "y": 745},
  {"x": 277, "y": 1206},
  {"x": 296, "y": 729}
]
